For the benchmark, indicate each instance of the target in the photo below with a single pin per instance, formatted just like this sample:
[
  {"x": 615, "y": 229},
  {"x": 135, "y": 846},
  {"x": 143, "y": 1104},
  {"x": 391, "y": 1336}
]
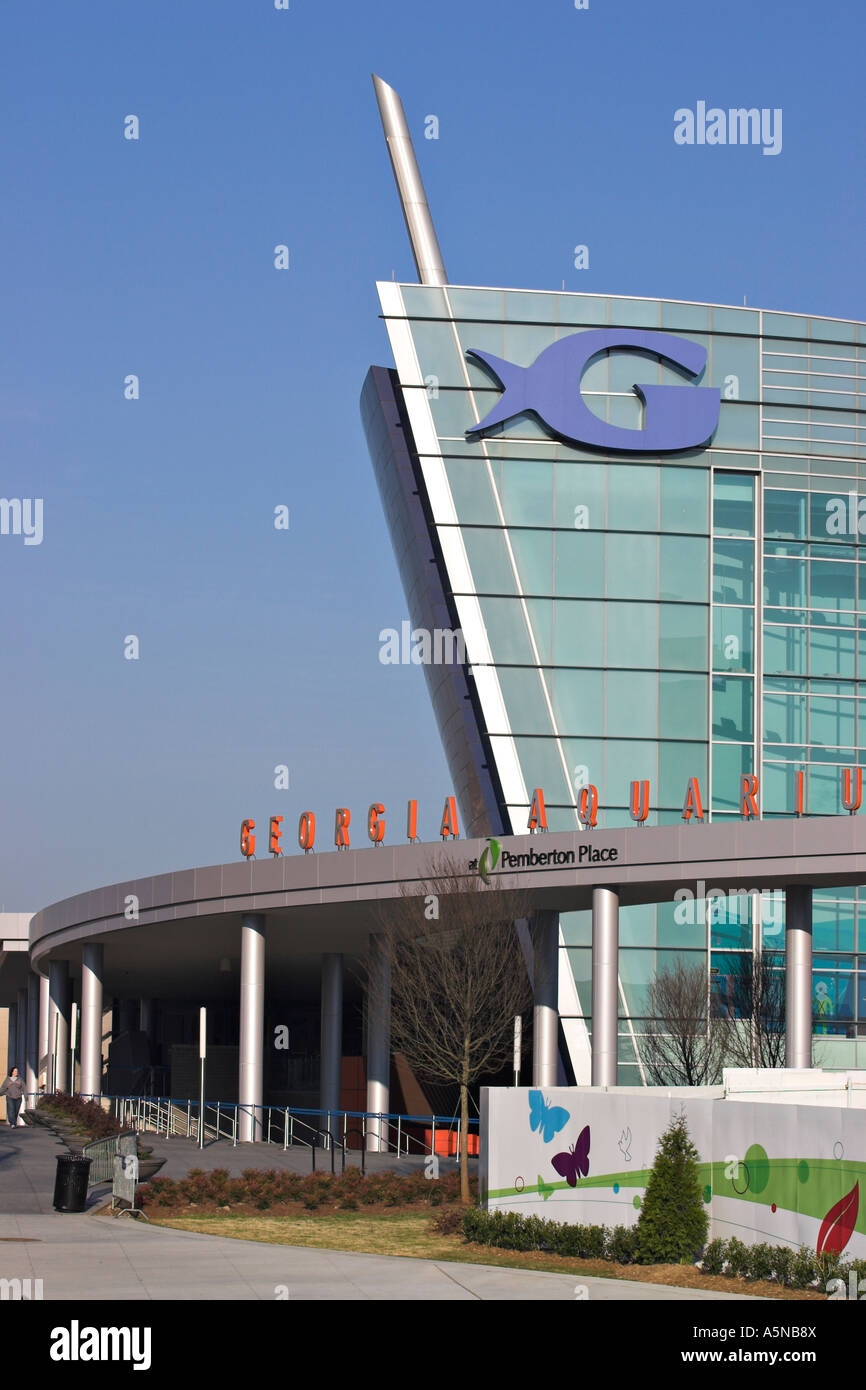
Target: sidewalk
[{"x": 94, "y": 1256}]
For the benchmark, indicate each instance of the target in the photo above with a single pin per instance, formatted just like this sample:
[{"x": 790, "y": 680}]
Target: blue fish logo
[{"x": 675, "y": 417}]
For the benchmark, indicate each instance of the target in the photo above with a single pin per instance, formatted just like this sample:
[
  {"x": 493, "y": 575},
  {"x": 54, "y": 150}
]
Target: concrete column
[
  {"x": 545, "y": 1027},
  {"x": 21, "y": 1058},
  {"x": 798, "y": 976},
  {"x": 252, "y": 1026},
  {"x": 44, "y": 1011},
  {"x": 11, "y": 1037},
  {"x": 58, "y": 1024},
  {"x": 92, "y": 965},
  {"x": 331, "y": 1064},
  {"x": 605, "y": 984},
  {"x": 378, "y": 1043},
  {"x": 31, "y": 1073}
]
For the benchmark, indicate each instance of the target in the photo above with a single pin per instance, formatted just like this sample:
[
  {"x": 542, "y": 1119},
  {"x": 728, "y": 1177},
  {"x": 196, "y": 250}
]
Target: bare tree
[
  {"x": 752, "y": 1012},
  {"x": 683, "y": 1044},
  {"x": 458, "y": 978}
]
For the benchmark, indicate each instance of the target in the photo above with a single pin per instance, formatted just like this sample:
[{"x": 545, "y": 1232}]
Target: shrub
[
  {"x": 738, "y": 1259},
  {"x": 760, "y": 1262},
  {"x": 449, "y": 1222},
  {"x": 804, "y": 1269},
  {"x": 713, "y": 1261},
  {"x": 621, "y": 1245},
  {"x": 672, "y": 1225},
  {"x": 783, "y": 1265}
]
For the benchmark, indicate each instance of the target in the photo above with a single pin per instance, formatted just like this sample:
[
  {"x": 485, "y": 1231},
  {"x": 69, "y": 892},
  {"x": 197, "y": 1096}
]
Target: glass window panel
[
  {"x": 631, "y": 699},
  {"x": 784, "y": 718},
  {"x": 636, "y": 971},
  {"x": 580, "y": 960},
  {"x": 785, "y": 581},
  {"x": 733, "y": 571},
  {"x": 625, "y": 761},
  {"x": 733, "y": 504},
  {"x": 683, "y": 636},
  {"x": 784, "y": 650},
  {"x": 683, "y": 496},
  {"x": 578, "y": 633},
  {"x": 578, "y": 564},
  {"x": 526, "y": 492},
  {"x": 779, "y": 787},
  {"x": 506, "y": 630},
  {"x": 637, "y": 925},
  {"x": 488, "y": 561},
  {"x": 831, "y": 653},
  {"x": 733, "y": 639},
  {"x": 580, "y": 496},
  {"x": 533, "y": 555},
  {"x": 677, "y": 763},
  {"x": 632, "y": 634},
  {"x": 730, "y": 920},
  {"x": 473, "y": 496},
  {"x": 542, "y": 767},
  {"x": 682, "y": 705},
  {"x": 576, "y": 928},
  {"x": 833, "y": 926},
  {"x": 833, "y": 997},
  {"x": 680, "y": 925},
  {"x": 541, "y": 621},
  {"x": 732, "y": 707},
  {"x": 683, "y": 563},
  {"x": 731, "y": 762},
  {"x": 524, "y": 701},
  {"x": 438, "y": 353},
  {"x": 632, "y": 497},
  {"x": 578, "y": 701},
  {"x": 632, "y": 566},
  {"x": 736, "y": 357},
  {"x": 585, "y": 759},
  {"x": 784, "y": 513},
  {"x": 831, "y": 721},
  {"x": 737, "y": 427},
  {"x": 832, "y": 585}
]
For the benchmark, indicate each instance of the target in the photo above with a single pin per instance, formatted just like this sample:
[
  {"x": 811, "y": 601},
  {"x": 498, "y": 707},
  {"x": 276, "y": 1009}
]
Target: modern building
[
  {"x": 645, "y": 518},
  {"x": 641, "y": 518}
]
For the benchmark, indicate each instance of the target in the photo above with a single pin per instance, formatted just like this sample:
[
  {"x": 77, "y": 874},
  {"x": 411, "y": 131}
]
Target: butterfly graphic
[
  {"x": 550, "y": 1119},
  {"x": 625, "y": 1144},
  {"x": 575, "y": 1163}
]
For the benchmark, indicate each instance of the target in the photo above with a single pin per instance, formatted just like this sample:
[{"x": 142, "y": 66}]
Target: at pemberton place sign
[{"x": 850, "y": 800}]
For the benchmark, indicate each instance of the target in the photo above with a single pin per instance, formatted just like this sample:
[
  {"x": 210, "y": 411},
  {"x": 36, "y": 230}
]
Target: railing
[
  {"x": 294, "y": 1126},
  {"x": 102, "y": 1153}
]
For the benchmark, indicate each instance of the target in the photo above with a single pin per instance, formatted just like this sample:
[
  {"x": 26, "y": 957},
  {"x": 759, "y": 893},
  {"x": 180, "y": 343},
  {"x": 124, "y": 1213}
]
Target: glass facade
[{"x": 696, "y": 614}]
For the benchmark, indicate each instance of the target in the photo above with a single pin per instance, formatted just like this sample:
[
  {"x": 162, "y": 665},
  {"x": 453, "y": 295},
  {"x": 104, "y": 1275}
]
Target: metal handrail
[{"x": 287, "y": 1125}]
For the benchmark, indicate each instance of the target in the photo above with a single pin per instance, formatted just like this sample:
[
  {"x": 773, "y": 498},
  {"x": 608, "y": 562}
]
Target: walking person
[{"x": 13, "y": 1090}]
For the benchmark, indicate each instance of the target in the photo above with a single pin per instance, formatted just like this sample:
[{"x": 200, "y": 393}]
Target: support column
[
  {"x": 31, "y": 1071},
  {"x": 605, "y": 985},
  {"x": 44, "y": 1065},
  {"x": 92, "y": 965},
  {"x": 378, "y": 1043},
  {"x": 11, "y": 1037},
  {"x": 331, "y": 1064},
  {"x": 545, "y": 1026},
  {"x": 58, "y": 1025},
  {"x": 147, "y": 1017},
  {"x": 798, "y": 976},
  {"x": 252, "y": 1026},
  {"x": 21, "y": 1058}
]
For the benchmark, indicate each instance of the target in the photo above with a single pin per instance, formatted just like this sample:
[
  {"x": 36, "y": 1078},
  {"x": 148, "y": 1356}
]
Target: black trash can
[{"x": 70, "y": 1184}]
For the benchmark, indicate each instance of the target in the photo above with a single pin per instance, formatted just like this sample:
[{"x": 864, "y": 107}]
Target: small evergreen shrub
[
  {"x": 713, "y": 1261},
  {"x": 622, "y": 1245},
  {"x": 673, "y": 1222}
]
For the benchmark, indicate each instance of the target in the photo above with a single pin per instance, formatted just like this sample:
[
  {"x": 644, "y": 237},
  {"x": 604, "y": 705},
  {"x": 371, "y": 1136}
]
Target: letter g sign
[{"x": 675, "y": 417}]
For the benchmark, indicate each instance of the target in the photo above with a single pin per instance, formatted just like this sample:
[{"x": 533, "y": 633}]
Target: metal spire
[{"x": 413, "y": 199}]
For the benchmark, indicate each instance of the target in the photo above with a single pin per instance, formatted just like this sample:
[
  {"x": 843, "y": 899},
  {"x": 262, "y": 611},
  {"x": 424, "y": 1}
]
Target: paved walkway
[{"x": 95, "y": 1256}]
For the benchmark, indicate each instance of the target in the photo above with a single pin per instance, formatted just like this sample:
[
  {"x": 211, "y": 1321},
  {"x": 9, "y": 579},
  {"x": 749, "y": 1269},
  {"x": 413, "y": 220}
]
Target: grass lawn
[{"x": 410, "y": 1233}]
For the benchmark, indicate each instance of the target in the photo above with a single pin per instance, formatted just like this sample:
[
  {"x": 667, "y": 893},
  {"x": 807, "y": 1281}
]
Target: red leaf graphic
[{"x": 838, "y": 1224}]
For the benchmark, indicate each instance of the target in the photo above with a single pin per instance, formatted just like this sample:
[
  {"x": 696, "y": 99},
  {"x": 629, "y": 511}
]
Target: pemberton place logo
[{"x": 675, "y": 417}]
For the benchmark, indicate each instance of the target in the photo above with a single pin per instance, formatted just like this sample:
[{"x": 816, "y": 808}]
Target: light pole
[{"x": 202, "y": 1053}]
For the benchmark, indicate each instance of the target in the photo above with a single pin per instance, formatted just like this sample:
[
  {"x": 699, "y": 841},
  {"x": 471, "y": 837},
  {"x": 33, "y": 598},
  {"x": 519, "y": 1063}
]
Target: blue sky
[{"x": 155, "y": 257}]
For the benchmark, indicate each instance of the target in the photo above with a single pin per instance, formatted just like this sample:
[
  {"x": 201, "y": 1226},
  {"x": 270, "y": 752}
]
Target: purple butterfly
[{"x": 575, "y": 1163}]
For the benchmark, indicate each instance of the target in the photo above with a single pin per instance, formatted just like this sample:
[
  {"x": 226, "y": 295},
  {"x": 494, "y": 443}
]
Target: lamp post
[{"x": 202, "y": 1054}]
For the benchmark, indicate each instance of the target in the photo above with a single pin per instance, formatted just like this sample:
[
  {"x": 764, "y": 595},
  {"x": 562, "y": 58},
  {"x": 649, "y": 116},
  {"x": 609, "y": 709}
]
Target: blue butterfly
[{"x": 550, "y": 1119}]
